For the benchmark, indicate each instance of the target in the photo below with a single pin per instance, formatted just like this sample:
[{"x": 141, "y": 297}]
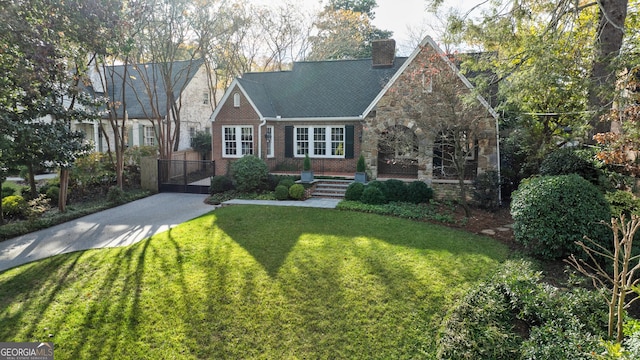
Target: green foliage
[
  {"x": 282, "y": 192},
  {"x": 373, "y": 195},
  {"x": 287, "y": 182},
  {"x": 551, "y": 213},
  {"x": 115, "y": 195},
  {"x": 514, "y": 315},
  {"x": 361, "y": 166},
  {"x": 623, "y": 202},
  {"x": 92, "y": 173},
  {"x": 7, "y": 191},
  {"x": 567, "y": 161},
  {"x": 419, "y": 192},
  {"x": 14, "y": 207},
  {"x": 220, "y": 184},
  {"x": 53, "y": 194},
  {"x": 486, "y": 190},
  {"x": 250, "y": 173},
  {"x": 354, "y": 191},
  {"x": 403, "y": 210},
  {"x": 306, "y": 164},
  {"x": 296, "y": 191},
  {"x": 201, "y": 142},
  {"x": 395, "y": 190}
]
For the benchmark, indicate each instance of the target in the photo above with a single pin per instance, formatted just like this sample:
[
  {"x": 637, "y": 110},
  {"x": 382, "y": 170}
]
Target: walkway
[
  {"x": 120, "y": 226},
  {"x": 312, "y": 202}
]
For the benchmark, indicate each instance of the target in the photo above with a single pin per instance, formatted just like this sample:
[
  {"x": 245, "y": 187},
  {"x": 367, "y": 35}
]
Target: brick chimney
[{"x": 383, "y": 53}]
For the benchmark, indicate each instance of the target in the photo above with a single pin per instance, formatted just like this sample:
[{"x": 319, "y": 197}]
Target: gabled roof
[
  {"x": 318, "y": 89},
  {"x": 137, "y": 76},
  {"x": 335, "y": 89}
]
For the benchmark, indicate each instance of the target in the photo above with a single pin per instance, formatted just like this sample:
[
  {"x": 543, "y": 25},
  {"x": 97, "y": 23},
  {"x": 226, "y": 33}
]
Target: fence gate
[{"x": 185, "y": 176}]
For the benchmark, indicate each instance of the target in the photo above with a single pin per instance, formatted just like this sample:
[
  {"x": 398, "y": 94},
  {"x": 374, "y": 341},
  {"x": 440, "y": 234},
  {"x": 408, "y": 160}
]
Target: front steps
[{"x": 327, "y": 188}]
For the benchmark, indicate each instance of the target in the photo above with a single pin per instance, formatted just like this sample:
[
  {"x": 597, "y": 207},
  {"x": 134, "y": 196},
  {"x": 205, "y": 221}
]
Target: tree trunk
[
  {"x": 64, "y": 186},
  {"x": 610, "y": 34},
  {"x": 32, "y": 181}
]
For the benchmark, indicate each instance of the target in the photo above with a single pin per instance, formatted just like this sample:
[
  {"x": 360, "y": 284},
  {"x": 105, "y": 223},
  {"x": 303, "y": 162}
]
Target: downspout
[{"x": 263, "y": 122}]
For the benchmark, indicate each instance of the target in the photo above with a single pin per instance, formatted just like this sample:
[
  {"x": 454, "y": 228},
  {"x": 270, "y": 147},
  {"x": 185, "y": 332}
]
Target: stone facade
[{"x": 415, "y": 101}]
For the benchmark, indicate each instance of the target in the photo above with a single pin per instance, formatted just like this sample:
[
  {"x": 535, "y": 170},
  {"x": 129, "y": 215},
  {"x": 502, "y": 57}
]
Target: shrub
[
  {"x": 287, "y": 182},
  {"x": 623, "y": 202},
  {"x": 486, "y": 190},
  {"x": 551, "y": 213},
  {"x": 354, "y": 191},
  {"x": 395, "y": 190},
  {"x": 220, "y": 184},
  {"x": 514, "y": 315},
  {"x": 14, "y": 206},
  {"x": 53, "y": 194},
  {"x": 372, "y": 195},
  {"x": 7, "y": 191},
  {"x": 282, "y": 192},
  {"x": 567, "y": 161},
  {"x": 306, "y": 164},
  {"x": 419, "y": 192},
  {"x": 249, "y": 173},
  {"x": 361, "y": 166},
  {"x": 115, "y": 195},
  {"x": 296, "y": 191}
]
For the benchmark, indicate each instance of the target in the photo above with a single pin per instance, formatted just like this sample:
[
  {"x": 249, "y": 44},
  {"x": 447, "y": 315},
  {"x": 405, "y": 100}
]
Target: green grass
[{"x": 252, "y": 282}]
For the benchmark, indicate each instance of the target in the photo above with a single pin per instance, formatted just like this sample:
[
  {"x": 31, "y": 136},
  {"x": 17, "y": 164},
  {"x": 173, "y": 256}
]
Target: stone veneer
[{"x": 410, "y": 104}]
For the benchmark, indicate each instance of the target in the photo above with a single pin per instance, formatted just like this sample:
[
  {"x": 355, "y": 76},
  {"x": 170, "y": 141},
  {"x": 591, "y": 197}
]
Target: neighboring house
[
  {"x": 146, "y": 102},
  {"x": 337, "y": 110}
]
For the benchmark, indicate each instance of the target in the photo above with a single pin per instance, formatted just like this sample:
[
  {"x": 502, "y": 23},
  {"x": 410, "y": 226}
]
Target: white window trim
[
  {"x": 238, "y": 141},
  {"x": 327, "y": 142},
  {"x": 270, "y": 144},
  {"x": 236, "y": 100},
  {"x": 149, "y": 136}
]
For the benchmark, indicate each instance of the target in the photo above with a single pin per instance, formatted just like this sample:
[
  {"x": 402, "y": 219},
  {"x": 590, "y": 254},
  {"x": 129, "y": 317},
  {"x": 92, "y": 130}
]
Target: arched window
[{"x": 236, "y": 100}]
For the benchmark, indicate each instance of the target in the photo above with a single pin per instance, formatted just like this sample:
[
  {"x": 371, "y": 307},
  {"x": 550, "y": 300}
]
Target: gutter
[{"x": 263, "y": 122}]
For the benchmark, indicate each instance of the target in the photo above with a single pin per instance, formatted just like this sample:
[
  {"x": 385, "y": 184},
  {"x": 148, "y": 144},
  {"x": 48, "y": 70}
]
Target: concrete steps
[{"x": 334, "y": 189}]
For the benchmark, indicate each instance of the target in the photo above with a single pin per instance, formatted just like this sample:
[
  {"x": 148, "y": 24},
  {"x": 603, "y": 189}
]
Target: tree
[
  {"x": 345, "y": 31},
  {"x": 579, "y": 42}
]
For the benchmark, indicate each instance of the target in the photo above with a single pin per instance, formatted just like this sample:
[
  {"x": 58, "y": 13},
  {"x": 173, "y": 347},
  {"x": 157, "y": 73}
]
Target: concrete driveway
[{"x": 120, "y": 226}]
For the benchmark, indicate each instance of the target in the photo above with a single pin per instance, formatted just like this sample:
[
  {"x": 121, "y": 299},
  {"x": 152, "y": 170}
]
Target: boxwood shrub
[
  {"x": 220, "y": 184},
  {"x": 395, "y": 190},
  {"x": 287, "y": 182},
  {"x": 373, "y": 195},
  {"x": 282, "y": 192},
  {"x": 250, "y": 173},
  {"x": 354, "y": 191},
  {"x": 551, "y": 213},
  {"x": 419, "y": 192},
  {"x": 296, "y": 191}
]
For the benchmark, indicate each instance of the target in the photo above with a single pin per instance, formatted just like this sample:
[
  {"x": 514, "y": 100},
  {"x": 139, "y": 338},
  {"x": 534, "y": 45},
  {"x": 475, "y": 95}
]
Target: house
[
  {"x": 141, "y": 88},
  {"x": 336, "y": 110}
]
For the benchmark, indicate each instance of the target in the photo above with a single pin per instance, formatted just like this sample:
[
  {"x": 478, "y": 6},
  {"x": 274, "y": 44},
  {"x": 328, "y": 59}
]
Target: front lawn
[{"x": 252, "y": 282}]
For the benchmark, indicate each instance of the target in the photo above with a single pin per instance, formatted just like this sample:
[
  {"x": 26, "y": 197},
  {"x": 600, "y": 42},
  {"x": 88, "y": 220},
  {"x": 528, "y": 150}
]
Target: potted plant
[
  {"x": 307, "y": 173},
  {"x": 361, "y": 168}
]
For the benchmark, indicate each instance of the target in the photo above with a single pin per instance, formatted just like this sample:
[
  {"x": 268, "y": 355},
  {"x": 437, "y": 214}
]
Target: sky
[{"x": 403, "y": 17}]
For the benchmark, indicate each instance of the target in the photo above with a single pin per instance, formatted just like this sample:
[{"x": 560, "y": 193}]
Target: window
[
  {"x": 270, "y": 141},
  {"x": 237, "y": 141},
  {"x": 236, "y": 100},
  {"x": 302, "y": 141},
  {"x": 327, "y": 141},
  {"x": 192, "y": 134},
  {"x": 149, "y": 136},
  {"x": 205, "y": 98}
]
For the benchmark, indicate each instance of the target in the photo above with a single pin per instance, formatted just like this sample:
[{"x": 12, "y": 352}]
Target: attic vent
[{"x": 383, "y": 52}]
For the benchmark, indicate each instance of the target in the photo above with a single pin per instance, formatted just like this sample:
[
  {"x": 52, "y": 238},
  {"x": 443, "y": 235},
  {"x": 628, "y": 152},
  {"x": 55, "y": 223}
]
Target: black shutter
[
  {"x": 348, "y": 141},
  {"x": 288, "y": 141}
]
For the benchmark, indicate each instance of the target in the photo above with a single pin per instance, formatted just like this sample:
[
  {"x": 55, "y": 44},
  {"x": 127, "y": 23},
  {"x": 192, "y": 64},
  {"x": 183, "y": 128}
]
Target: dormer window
[{"x": 236, "y": 100}]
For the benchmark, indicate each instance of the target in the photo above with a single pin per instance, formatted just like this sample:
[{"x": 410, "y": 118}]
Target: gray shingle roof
[
  {"x": 138, "y": 100},
  {"x": 341, "y": 88}
]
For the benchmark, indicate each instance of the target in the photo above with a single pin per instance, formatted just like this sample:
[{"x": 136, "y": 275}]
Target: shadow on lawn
[{"x": 270, "y": 236}]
